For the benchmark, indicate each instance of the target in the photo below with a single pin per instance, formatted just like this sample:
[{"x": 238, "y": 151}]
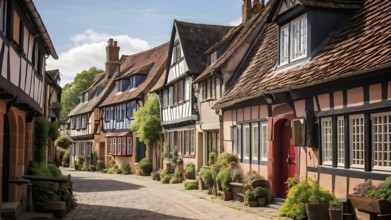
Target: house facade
[
  {"x": 178, "y": 98},
  {"x": 312, "y": 100},
  {"x": 52, "y": 97},
  {"x": 223, "y": 59},
  {"x": 85, "y": 117},
  {"x": 24, "y": 44},
  {"x": 135, "y": 77}
]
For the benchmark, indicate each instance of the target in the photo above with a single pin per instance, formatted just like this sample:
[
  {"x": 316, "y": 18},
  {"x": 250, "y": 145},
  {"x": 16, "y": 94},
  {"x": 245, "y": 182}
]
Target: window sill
[
  {"x": 208, "y": 100},
  {"x": 189, "y": 156}
]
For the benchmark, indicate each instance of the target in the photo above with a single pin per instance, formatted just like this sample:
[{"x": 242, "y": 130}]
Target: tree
[
  {"x": 71, "y": 91},
  {"x": 147, "y": 122}
]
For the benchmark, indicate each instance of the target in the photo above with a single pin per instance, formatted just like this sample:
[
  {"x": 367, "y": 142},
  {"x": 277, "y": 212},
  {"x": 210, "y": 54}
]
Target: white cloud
[
  {"x": 89, "y": 50},
  {"x": 236, "y": 22}
]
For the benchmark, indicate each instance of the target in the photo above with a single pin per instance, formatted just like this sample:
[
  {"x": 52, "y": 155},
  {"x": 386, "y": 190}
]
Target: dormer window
[
  {"x": 136, "y": 80},
  {"x": 293, "y": 40},
  {"x": 123, "y": 84}
]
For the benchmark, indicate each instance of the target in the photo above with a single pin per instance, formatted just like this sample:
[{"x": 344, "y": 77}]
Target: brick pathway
[{"x": 109, "y": 196}]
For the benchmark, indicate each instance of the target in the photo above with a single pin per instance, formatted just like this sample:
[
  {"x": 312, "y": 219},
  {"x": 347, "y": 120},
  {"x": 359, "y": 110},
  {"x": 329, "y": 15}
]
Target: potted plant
[
  {"x": 261, "y": 195},
  {"x": 223, "y": 179},
  {"x": 207, "y": 179},
  {"x": 372, "y": 199},
  {"x": 250, "y": 199},
  {"x": 335, "y": 210},
  {"x": 317, "y": 207}
]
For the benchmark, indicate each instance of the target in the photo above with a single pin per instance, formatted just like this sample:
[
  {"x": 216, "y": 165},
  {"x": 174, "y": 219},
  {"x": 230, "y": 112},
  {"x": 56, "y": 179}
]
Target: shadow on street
[
  {"x": 82, "y": 184},
  {"x": 109, "y": 212}
]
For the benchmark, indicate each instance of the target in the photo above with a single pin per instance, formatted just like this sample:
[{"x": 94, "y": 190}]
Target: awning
[{"x": 118, "y": 134}]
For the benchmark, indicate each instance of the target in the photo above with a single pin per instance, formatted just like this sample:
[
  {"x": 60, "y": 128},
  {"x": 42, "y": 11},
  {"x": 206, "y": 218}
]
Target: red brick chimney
[
  {"x": 112, "y": 57},
  {"x": 257, "y": 6},
  {"x": 246, "y": 11}
]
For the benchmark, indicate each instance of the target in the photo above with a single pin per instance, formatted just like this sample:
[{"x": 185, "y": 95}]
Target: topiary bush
[
  {"x": 191, "y": 185},
  {"x": 125, "y": 168},
  {"x": 145, "y": 167},
  {"x": 190, "y": 171}
]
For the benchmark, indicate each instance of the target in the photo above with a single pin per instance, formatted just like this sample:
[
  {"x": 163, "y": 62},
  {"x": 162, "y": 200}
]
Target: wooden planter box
[
  {"x": 317, "y": 211},
  {"x": 370, "y": 205},
  {"x": 237, "y": 191}
]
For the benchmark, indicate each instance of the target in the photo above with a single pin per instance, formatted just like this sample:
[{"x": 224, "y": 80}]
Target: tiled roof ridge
[
  {"x": 201, "y": 24},
  {"x": 146, "y": 51}
]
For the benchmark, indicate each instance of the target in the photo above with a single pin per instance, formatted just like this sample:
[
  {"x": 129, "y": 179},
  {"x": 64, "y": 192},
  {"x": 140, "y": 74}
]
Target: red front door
[{"x": 287, "y": 157}]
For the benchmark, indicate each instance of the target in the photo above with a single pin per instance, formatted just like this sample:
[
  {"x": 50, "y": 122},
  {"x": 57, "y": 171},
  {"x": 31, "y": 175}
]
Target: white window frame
[
  {"x": 327, "y": 140},
  {"x": 302, "y": 38},
  {"x": 255, "y": 141},
  {"x": 129, "y": 147},
  {"x": 114, "y": 146},
  {"x": 381, "y": 136},
  {"x": 246, "y": 141},
  {"x": 239, "y": 141},
  {"x": 119, "y": 145},
  {"x": 293, "y": 45},
  {"x": 354, "y": 144},
  {"x": 187, "y": 89},
  {"x": 264, "y": 142},
  {"x": 192, "y": 142},
  {"x": 284, "y": 44},
  {"x": 341, "y": 141}
]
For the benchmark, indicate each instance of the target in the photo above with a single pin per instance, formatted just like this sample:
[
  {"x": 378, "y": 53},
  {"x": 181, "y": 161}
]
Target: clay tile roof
[
  {"x": 337, "y": 4},
  {"x": 196, "y": 39},
  {"x": 151, "y": 62},
  {"x": 362, "y": 45},
  {"x": 241, "y": 35},
  {"x": 100, "y": 82}
]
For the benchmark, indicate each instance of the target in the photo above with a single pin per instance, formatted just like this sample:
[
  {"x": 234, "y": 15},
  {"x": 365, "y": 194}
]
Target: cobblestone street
[{"x": 104, "y": 196}]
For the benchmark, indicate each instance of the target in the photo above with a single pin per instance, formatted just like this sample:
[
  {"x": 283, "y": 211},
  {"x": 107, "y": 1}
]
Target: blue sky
[{"x": 79, "y": 29}]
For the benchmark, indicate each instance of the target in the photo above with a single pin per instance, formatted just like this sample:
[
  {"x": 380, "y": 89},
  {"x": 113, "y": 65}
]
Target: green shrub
[
  {"x": 63, "y": 141},
  {"x": 249, "y": 195},
  {"x": 166, "y": 179},
  {"x": 190, "y": 171},
  {"x": 174, "y": 157},
  {"x": 80, "y": 161},
  {"x": 166, "y": 151},
  {"x": 223, "y": 178},
  {"x": 112, "y": 163},
  {"x": 302, "y": 193},
  {"x": 145, "y": 167},
  {"x": 125, "y": 168},
  {"x": 176, "y": 177},
  {"x": 100, "y": 165},
  {"x": 117, "y": 171},
  {"x": 191, "y": 185},
  {"x": 212, "y": 158},
  {"x": 156, "y": 176},
  {"x": 253, "y": 175},
  {"x": 53, "y": 170},
  {"x": 54, "y": 131},
  {"x": 207, "y": 178},
  {"x": 40, "y": 138},
  {"x": 66, "y": 158},
  {"x": 85, "y": 167},
  {"x": 94, "y": 158},
  {"x": 260, "y": 192},
  {"x": 226, "y": 158},
  {"x": 163, "y": 173},
  {"x": 38, "y": 169},
  {"x": 292, "y": 181}
]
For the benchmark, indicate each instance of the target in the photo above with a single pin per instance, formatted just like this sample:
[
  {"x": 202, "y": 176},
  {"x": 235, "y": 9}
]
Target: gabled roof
[
  {"x": 36, "y": 18},
  {"x": 362, "y": 45},
  {"x": 151, "y": 62},
  {"x": 100, "y": 81},
  {"x": 242, "y": 34},
  {"x": 196, "y": 39},
  {"x": 337, "y": 4}
]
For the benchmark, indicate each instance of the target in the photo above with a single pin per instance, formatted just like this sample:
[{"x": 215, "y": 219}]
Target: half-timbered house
[
  {"x": 223, "y": 59},
  {"x": 52, "y": 98},
  {"x": 24, "y": 43},
  {"x": 85, "y": 117},
  {"x": 313, "y": 97},
  {"x": 135, "y": 77},
  {"x": 186, "y": 60}
]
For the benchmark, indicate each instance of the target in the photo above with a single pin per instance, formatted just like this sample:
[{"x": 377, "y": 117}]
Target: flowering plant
[{"x": 364, "y": 188}]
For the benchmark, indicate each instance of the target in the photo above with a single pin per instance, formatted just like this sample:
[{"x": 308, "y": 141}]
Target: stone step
[
  {"x": 11, "y": 210},
  {"x": 36, "y": 216}
]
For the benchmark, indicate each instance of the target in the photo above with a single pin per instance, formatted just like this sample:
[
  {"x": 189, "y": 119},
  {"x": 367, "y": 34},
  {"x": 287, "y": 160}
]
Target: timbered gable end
[
  {"x": 176, "y": 97},
  {"x": 21, "y": 55}
]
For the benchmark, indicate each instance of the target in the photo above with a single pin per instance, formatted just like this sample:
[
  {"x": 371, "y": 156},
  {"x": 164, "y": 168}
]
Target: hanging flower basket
[{"x": 370, "y": 205}]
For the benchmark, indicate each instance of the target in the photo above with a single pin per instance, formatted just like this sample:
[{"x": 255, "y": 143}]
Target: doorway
[
  {"x": 287, "y": 153},
  {"x": 140, "y": 150}
]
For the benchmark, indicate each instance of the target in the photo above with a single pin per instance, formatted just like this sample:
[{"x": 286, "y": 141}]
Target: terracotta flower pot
[{"x": 226, "y": 195}]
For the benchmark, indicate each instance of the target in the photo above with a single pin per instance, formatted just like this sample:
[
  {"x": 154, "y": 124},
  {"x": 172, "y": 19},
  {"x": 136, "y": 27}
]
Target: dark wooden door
[
  {"x": 287, "y": 157},
  {"x": 140, "y": 150}
]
